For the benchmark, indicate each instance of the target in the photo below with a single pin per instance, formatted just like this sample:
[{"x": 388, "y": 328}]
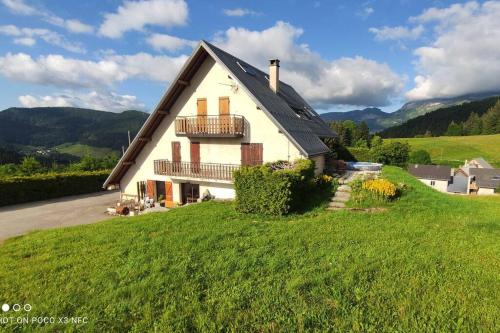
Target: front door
[
  {"x": 201, "y": 113},
  {"x": 224, "y": 119}
]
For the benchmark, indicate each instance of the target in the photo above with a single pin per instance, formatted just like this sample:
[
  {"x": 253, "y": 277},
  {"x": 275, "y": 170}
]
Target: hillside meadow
[
  {"x": 430, "y": 262},
  {"x": 454, "y": 150}
]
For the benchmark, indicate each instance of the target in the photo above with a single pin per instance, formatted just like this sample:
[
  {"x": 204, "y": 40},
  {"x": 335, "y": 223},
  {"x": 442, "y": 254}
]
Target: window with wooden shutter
[
  {"x": 176, "y": 156},
  {"x": 251, "y": 154},
  {"x": 195, "y": 157}
]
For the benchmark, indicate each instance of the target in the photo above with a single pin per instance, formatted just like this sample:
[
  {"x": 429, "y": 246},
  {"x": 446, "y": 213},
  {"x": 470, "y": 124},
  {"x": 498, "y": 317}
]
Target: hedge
[
  {"x": 14, "y": 190},
  {"x": 261, "y": 189}
]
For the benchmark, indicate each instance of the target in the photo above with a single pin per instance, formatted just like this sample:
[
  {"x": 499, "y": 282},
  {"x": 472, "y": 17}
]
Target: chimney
[{"x": 274, "y": 75}]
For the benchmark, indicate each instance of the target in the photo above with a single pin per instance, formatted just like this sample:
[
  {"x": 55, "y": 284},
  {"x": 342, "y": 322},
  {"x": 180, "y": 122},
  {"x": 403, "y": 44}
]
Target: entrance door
[
  {"x": 160, "y": 191},
  {"x": 224, "y": 119},
  {"x": 190, "y": 192},
  {"x": 201, "y": 113},
  {"x": 251, "y": 154},
  {"x": 176, "y": 156},
  {"x": 195, "y": 157}
]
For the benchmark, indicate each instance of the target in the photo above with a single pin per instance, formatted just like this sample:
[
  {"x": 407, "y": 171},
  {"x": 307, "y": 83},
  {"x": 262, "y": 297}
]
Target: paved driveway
[{"x": 81, "y": 209}]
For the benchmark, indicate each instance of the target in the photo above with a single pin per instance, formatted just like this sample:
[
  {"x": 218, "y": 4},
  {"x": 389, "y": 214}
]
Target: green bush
[
  {"x": 271, "y": 190},
  {"x": 361, "y": 154},
  {"x": 16, "y": 190},
  {"x": 393, "y": 153},
  {"x": 420, "y": 157}
]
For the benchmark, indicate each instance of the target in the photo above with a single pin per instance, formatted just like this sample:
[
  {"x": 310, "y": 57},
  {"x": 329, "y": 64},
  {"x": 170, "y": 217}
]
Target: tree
[
  {"x": 420, "y": 157},
  {"x": 473, "y": 125},
  {"x": 376, "y": 141},
  {"x": 363, "y": 132},
  {"x": 454, "y": 129},
  {"x": 361, "y": 143},
  {"x": 491, "y": 120},
  {"x": 30, "y": 165},
  {"x": 394, "y": 153}
]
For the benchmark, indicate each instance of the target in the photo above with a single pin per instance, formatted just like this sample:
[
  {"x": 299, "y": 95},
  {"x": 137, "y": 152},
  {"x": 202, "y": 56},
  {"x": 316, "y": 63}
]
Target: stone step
[
  {"x": 344, "y": 188},
  {"x": 342, "y": 194},
  {"x": 341, "y": 199},
  {"x": 334, "y": 204}
]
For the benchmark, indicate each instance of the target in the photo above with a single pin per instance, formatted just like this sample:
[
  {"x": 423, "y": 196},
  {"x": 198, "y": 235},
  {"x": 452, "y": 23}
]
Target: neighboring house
[
  {"x": 459, "y": 184},
  {"x": 218, "y": 114},
  {"x": 478, "y": 162},
  {"x": 484, "y": 181},
  {"x": 436, "y": 176}
]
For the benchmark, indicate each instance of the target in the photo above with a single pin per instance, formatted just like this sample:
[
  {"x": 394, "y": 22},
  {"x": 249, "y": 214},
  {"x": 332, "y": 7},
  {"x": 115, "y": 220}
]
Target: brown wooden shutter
[
  {"x": 201, "y": 106},
  {"x": 169, "y": 195},
  {"x": 151, "y": 188},
  {"x": 257, "y": 153},
  {"x": 224, "y": 120},
  {"x": 195, "y": 157},
  {"x": 245, "y": 154},
  {"x": 251, "y": 153},
  {"x": 176, "y": 151}
]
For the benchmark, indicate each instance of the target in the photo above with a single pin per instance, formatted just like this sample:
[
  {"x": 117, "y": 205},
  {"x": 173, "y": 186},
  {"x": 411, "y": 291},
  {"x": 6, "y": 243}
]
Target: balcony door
[
  {"x": 176, "y": 156},
  {"x": 201, "y": 113},
  {"x": 224, "y": 119},
  {"x": 195, "y": 157},
  {"x": 251, "y": 154}
]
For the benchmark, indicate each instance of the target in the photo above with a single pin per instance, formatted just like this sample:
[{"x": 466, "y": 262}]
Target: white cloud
[
  {"x": 365, "y": 12},
  {"x": 169, "y": 43},
  {"x": 106, "y": 101},
  {"x": 72, "y": 25},
  {"x": 240, "y": 12},
  {"x": 464, "y": 56},
  {"x": 60, "y": 71},
  {"x": 135, "y": 15},
  {"x": 19, "y": 7},
  {"x": 28, "y": 36},
  {"x": 397, "y": 33},
  {"x": 355, "y": 81}
]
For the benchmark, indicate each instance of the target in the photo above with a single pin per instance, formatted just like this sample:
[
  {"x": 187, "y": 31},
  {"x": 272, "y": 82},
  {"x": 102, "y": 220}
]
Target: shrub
[
  {"x": 15, "y": 190},
  {"x": 381, "y": 187},
  {"x": 420, "y": 157},
  {"x": 270, "y": 189},
  {"x": 393, "y": 153},
  {"x": 370, "y": 192}
]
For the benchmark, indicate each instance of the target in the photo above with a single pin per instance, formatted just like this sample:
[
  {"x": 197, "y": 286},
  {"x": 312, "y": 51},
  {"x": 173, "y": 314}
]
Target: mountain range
[{"x": 378, "y": 120}]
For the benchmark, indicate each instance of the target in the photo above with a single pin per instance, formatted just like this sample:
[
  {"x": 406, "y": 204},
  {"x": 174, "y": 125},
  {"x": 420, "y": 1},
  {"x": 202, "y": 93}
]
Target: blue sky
[{"x": 341, "y": 55}]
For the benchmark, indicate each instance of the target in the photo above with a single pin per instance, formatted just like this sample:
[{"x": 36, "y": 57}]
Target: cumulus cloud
[
  {"x": 397, "y": 33},
  {"x": 64, "y": 72},
  {"x": 240, "y": 12},
  {"x": 464, "y": 54},
  {"x": 354, "y": 81},
  {"x": 19, "y": 7},
  {"x": 72, "y": 25},
  {"x": 106, "y": 101},
  {"x": 169, "y": 43},
  {"x": 28, "y": 36},
  {"x": 135, "y": 15}
]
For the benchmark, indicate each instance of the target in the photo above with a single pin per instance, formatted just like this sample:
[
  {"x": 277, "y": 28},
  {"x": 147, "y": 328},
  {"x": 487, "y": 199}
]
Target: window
[{"x": 433, "y": 182}]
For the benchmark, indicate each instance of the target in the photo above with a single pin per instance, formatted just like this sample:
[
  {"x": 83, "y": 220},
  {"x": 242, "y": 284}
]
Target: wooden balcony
[
  {"x": 230, "y": 126},
  {"x": 215, "y": 171}
]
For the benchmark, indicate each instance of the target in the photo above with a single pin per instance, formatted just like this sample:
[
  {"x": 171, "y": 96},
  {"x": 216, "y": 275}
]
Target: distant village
[{"x": 474, "y": 177}]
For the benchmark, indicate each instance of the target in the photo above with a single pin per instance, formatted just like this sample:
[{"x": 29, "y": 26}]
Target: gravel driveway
[{"x": 67, "y": 211}]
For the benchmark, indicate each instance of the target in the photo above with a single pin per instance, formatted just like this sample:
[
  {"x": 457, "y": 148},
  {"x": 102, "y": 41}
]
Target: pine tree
[
  {"x": 491, "y": 120},
  {"x": 454, "y": 129}
]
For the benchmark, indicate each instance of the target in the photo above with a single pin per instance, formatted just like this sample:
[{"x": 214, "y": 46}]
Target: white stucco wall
[
  {"x": 485, "y": 191},
  {"x": 210, "y": 82},
  {"x": 440, "y": 185}
]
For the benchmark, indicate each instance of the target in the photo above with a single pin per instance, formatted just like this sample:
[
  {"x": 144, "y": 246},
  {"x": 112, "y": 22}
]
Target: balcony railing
[
  {"x": 210, "y": 126},
  {"x": 195, "y": 169}
]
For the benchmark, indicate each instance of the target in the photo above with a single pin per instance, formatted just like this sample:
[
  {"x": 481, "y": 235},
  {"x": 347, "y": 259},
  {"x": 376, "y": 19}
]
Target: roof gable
[{"x": 304, "y": 133}]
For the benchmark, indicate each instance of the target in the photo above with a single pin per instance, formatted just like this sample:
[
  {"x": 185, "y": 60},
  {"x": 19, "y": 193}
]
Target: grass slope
[
  {"x": 430, "y": 263},
  {"x": 81, "y": 150},
  {"x": 453, "y": 150}
]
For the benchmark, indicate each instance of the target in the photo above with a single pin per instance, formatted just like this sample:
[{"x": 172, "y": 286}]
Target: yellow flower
[{"x": 381, "y": 187}]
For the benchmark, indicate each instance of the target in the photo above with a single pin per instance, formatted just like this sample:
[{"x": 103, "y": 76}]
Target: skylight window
[{"x": 246, "y": 69}]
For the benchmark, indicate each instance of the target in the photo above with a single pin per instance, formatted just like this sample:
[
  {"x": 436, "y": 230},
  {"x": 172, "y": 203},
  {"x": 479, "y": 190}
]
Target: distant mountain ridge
[
  {"x": 25, "y": 129},
  {"x": 378, "y": 120}
]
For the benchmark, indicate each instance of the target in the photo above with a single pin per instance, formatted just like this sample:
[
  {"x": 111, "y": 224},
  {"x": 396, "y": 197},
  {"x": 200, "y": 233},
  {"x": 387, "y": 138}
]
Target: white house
[
  {"x": 436, "y": 176},
  {"x": 218, "y": 114}
]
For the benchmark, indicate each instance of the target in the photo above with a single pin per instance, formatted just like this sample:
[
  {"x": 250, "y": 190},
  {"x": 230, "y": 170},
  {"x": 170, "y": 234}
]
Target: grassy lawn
[
  {"x": 431, "y": 262},
  {"x": 454, "y": 150}
]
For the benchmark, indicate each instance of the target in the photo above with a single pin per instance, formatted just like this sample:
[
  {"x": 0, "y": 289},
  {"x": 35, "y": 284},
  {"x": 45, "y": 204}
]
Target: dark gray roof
[
  {"x": 459, "y": 184},
  {"x": 434, "y": 172},
  {"x": 482, "y": 162},
  {"x": 284, "y": 107},
  {"x": 487, "y": 178}
]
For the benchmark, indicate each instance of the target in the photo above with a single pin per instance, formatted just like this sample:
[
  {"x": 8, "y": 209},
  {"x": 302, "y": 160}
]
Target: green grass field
[
  {"x": 81, "y": 150},
  {"x": 454, "y": 150},
  {"x": 431, "y": 262}
]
